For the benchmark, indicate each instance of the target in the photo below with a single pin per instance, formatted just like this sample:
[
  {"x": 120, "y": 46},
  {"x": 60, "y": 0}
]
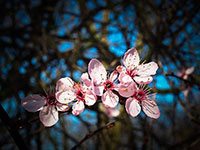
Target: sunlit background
[{"x": 42, "y": 41}]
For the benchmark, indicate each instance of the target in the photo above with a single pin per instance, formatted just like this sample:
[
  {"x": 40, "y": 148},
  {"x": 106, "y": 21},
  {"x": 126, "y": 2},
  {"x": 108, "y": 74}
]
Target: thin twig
[
  {"x": 190, "y": 82},
  {"x": 89, "y": 135}
]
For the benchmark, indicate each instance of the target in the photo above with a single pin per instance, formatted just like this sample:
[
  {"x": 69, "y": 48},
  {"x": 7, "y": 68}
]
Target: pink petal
[
  {"x": 150, "y": 108},
  {"x": 110, "y": 99},
  {"x": 127, "y": 90},
  {"x": 143, "y": 80},
  {"x": 189, "y": 70},
  {"x": 48, "y": 116},
  {"x": 65, "y": 97},
  {"x": 113, "y": 76},
  {"x": 147, "y": 69},
  {"x": 62, "y": 107},
  {"x": 64, "y": 84},
  {"x": 85, "y": 79},
  {"x": 90, "y": 98},
  {"x": 78, "y": 108},
  {"x": 132, "y": 107},
  {"x": 131, "y": 59},
  {"x": 124, "y": 78},
  {"x": 97, "y": 72},
  {"x": 98, "y": 90},
  {"x": 186, "y": 92},
  {"x": 33, "y": 103}
]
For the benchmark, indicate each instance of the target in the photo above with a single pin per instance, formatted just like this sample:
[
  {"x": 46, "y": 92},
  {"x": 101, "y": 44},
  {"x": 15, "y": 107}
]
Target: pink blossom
[
  {"x": 48, "y": 107},
  {"x": 132, "y": 70},
  {"x": 103, "y": 85},
  {"x": 78, "y": 94},
  {"x": 186, "y": 72},
  {"x": 142, "y": 98}
]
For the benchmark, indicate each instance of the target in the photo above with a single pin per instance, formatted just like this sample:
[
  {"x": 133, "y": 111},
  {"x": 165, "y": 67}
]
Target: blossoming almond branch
[{"x": 129, "y": 80}]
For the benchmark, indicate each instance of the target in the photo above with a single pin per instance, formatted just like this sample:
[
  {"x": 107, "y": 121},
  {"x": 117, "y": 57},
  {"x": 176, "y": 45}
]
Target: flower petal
[
  {"x": 65, "y": 97},
  {"x": 132, "y": 107},
  {"x": 189, "y": 70},
  {"x": 147, "y": 69},
  {"x": 90, "y": 98},
  {"x": 131, "y": 59},
  {"x": 127, "y": 90},
  {"x": 98, "y": 90},
  {"x": 113, "y": 76},
  {"x": 85, "y": 79},
  {"x": 78, "y": 108},
  {"x": 109, "y": 99},
  {"x": 64, "y": 84},
  {"x": 97, "y": 72},
  {"x": 124, "y": 78},
  {"x": 62, "y": 107},
  {"x": 150, "y": 108},
  {"x": 33, "y": 103},
  {"x": 143, "y": 80},
  {"x": 48, "y": 116}
]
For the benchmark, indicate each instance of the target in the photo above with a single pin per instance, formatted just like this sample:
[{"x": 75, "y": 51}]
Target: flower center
[
  {"x": 51, "y": 100},
  {"x": 140, "y": 95},
  {"x": 108, "y": 85},
  {"x": 80, "y": 95},
  {"x": 131, "y": 73}
]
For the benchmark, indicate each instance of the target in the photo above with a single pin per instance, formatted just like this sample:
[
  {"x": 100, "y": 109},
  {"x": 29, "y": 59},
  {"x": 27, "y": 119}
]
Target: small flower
[
  {"x": 76, "y": 93},
  {"x": 142, "y": 98},
  {"x": 47, "y": 105},
  {"x": 132, "y": 70},
  {"x": 186, "y": 72},
  {"x": 103, "y": 85}
]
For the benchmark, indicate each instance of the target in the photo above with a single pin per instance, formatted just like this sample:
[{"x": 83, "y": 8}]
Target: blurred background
[{"x": 44, "y": 40}]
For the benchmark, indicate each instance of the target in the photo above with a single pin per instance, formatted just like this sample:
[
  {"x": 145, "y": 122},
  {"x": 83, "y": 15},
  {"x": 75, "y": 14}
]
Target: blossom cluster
[{"x": 128, "y": 82}]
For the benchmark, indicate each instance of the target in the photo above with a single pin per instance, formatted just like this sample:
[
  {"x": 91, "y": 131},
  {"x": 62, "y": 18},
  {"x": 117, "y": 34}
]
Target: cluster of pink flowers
[{"x": 128, "y": 82}]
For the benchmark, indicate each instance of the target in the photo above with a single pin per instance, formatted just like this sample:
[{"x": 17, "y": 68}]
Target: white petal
[
  {"x": 48, "y": 116},
  {"x": 109, "y": 99},
  {"x": 78, "y": 108},
  {"x": 150, "y": 108},
  {"x": 62, "y": 107},
  {"x": 143, "y": 80},
  {"x": 85, "y": 79},
  {"x": 33, "y": 103},
  {"x": 64, "y": 84},
  {"x": 98, "y": 90},
  {"x": 131, "y": 59},
  {"x": 90, "y": 98},
  {"x": 132, "y": 107},
  {"x": 65, "y": 97},
  {"x": 147, "y": 69},
  {"x": 189, "y": 70},
  {"x": 113, "y": 76},
  {"x": 124, "y": 78},
  {"x": 97, "y": 72}
]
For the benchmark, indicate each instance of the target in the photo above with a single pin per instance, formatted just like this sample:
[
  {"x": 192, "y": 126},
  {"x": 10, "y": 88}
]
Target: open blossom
[
  {"x": 78, "y": 94},
  {"x": 186, "y": 72},
  {"x": 133, "y": 71},
  {"x": 47, "y": 105},
  {"x": 141, "y": 98},
  {"x": 102, "y": 85}
]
